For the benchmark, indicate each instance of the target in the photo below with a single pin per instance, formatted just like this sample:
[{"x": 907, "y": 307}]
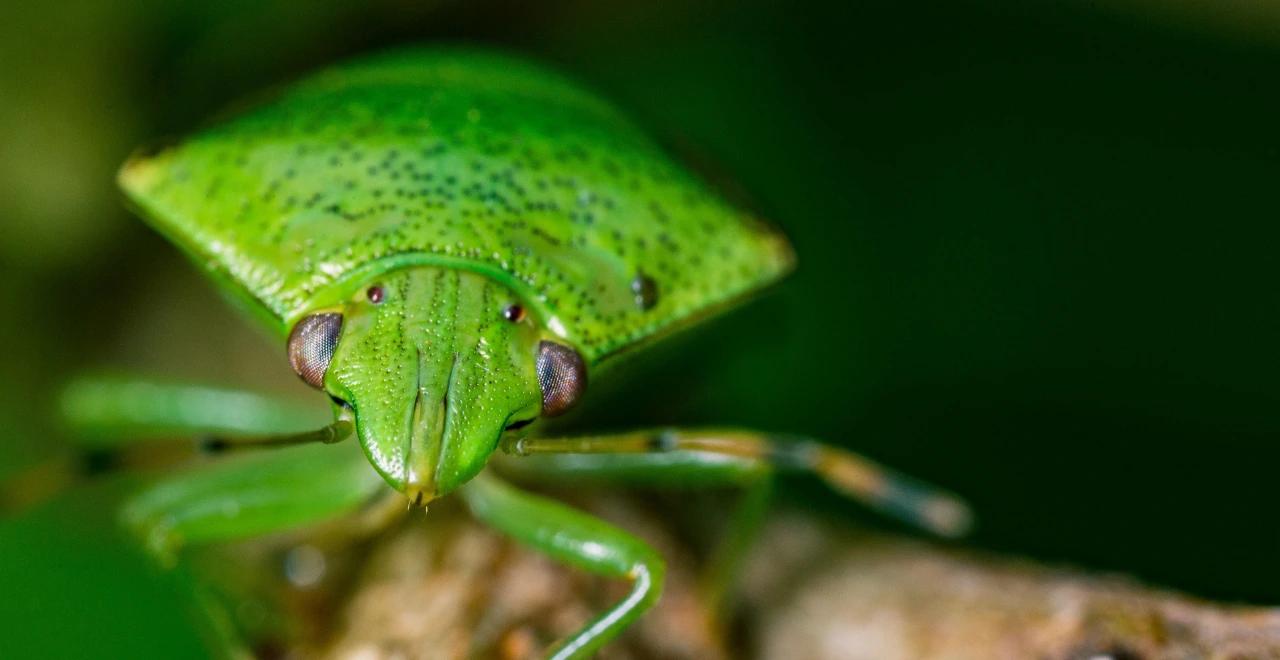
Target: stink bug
[{"x": 449, "y": 244}]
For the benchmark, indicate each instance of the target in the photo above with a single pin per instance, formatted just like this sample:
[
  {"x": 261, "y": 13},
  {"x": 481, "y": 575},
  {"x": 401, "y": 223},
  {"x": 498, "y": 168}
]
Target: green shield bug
[{"x": 449, "y": 243}]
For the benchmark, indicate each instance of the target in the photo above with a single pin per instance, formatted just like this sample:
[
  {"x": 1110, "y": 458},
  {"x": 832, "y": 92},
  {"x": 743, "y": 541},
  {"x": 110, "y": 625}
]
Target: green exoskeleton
[{"x": 451, "y": 244}]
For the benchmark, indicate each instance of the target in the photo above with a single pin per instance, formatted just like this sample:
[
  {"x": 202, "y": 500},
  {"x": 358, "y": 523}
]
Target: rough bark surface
[{"x": 455, "y": 589}]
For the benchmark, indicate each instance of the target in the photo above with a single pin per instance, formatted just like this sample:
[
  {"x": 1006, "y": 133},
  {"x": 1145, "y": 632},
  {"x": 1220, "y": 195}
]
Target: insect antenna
[
  {"x": 331, "y": 434},
  {"x": 39, "y": 483},
  {"x": 888, "y": 491}
]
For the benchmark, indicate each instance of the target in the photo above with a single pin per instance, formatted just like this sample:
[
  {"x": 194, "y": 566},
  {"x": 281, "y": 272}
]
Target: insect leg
[
  {"x": 251, "y": 494},
  {"x": 110, "y": 416},
  {"x": 712, "y": 457},
  {"x": 674, "y": 469},
  {"x": 576, "y": 538},
  {"x": 709, "y": 454},
  {"x": 110, "y": 412}
]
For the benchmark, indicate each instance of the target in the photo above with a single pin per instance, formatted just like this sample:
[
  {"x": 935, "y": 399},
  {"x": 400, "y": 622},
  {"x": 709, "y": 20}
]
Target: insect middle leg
[
  {"x": 246, "y": 495},
  {"x": 578, "y": 539},
  {"x": 251, "y": 494}
]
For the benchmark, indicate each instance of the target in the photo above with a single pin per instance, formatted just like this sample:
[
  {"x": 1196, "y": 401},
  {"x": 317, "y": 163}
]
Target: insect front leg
[
  {"x": 581, "y": 540},
  {"x": 109, "y": 413},
  {"x": 674, "y": 469},
  {"x": 719, "y": 457}
]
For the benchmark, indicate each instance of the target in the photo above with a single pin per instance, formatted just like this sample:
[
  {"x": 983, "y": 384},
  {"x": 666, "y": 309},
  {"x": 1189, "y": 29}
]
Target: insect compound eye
[
  {"x": 562, "y": 375},
  {"x": 376, "y": 294},
  {"x": 311, "y": 346}
]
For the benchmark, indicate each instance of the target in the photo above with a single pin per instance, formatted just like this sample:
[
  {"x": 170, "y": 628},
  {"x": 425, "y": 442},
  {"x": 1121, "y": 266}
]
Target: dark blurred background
[{"x": 1037, "y": 257}]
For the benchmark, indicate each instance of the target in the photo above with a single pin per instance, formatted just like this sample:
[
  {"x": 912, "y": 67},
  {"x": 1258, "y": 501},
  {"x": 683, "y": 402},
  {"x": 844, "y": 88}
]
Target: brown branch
[
  {"x": 822, "y": 594},
  {"x": 447, "y": 587}
]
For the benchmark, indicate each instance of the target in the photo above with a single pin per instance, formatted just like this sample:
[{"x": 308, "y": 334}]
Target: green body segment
[{"x": 462, "y": 159}]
